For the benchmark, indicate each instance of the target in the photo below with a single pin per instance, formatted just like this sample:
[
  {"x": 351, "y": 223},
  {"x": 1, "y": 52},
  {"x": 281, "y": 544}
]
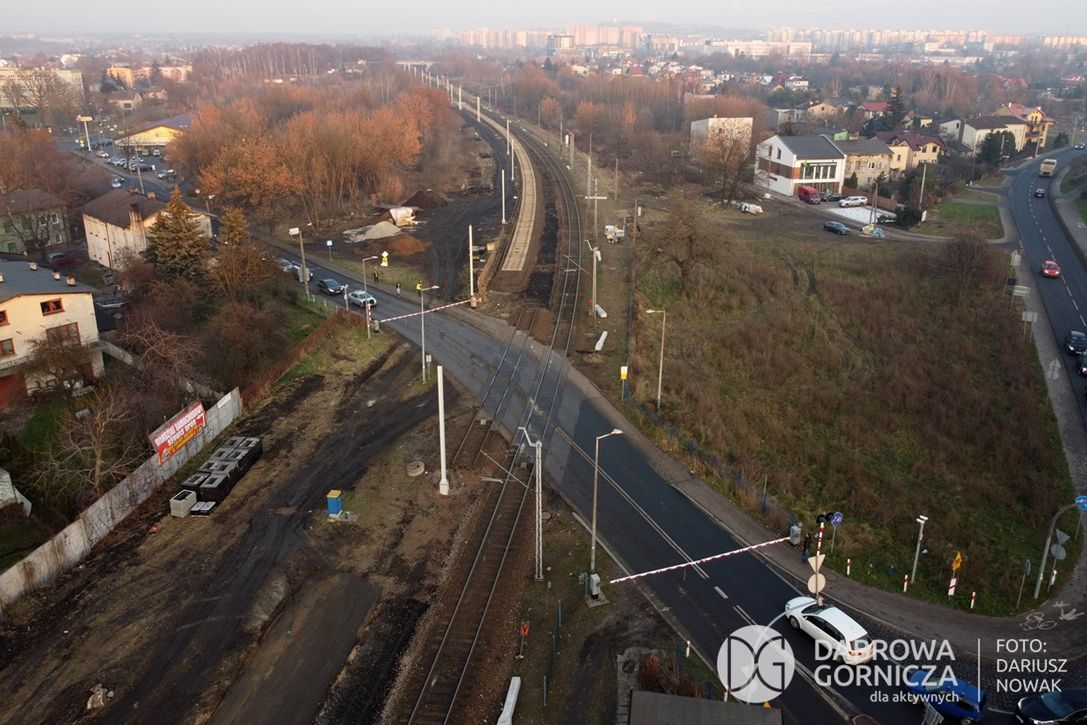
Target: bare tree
[
  {"x": 968, "y": 261},
  {"x": 57, "y": 361},
  {"x": 95, "y": 448},
  {"x": 683, "y": 242}
]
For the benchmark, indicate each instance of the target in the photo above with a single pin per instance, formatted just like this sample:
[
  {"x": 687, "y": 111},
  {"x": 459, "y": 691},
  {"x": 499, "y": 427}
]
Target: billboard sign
[{"x": 178, "y": 431}]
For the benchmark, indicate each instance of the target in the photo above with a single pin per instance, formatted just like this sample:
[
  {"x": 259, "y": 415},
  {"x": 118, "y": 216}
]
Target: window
[
  {"x": 7, "y": 347},
  {"x": 52, "y": 307},
  {"x": 3, "y": 317},
  {"x": 67, "y": 334},
  {"x": 9, "y": 228}
]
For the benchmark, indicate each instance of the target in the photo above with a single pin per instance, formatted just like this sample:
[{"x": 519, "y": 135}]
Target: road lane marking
[
  {"x": 718, "y": 590},
  {"x": 746, "y": 617}
]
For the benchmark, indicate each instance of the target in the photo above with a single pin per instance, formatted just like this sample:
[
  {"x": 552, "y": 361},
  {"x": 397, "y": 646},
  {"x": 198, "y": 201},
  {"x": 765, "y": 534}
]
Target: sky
[{"x": 381, "y": 17}]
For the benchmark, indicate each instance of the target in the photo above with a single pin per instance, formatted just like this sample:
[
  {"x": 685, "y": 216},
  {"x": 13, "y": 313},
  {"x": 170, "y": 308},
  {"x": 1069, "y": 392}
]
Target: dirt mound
[
  {"x": 404, "y": 245},
  {"x": 427, "y": 200}
]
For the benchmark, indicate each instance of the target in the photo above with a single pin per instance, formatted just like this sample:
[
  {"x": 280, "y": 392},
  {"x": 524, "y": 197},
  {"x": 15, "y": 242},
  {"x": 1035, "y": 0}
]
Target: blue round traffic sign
[
  {"x": 1081, "y": 501},
  {"x": 836, "y": 519}
]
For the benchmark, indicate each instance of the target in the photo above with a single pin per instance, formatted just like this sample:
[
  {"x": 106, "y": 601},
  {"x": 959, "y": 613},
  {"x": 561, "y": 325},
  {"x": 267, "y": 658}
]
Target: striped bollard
[
  {"x": 973, "y": 598},
  {"x": 848, "y": 566},
  {"x": 905, "y": 583}
]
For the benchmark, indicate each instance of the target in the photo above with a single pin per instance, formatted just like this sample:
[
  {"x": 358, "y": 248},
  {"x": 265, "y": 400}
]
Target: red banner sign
[{"x": 179, "y": 430}]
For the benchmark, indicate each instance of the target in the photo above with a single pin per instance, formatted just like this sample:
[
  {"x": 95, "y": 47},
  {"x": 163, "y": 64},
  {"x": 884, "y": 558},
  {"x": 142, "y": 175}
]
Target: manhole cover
[{"x": 416, "y": 468}]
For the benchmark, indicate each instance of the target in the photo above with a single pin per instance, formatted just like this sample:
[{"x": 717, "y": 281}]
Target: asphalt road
[{"x": 1065, "y": 298}]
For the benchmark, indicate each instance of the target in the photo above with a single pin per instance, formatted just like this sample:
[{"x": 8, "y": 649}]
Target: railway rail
[{"x": 450, "y": 657}]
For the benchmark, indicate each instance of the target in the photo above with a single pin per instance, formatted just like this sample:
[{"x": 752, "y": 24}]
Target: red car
[{"x": 1050, "y": 269}]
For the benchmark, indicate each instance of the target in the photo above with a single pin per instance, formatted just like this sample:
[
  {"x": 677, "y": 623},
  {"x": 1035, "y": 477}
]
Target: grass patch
[
  {"x": 966, "y": 194},
  {"x": 990, "y": 181},
  {"x": 302, "y": 318},
  {"x": 951, "y": 218},
  {"x": 846, "y": 376},
  {"x": 1081, "y": 207},
  {"x": 1076, "y": 176},
  {"x": 346, "y": 345},
  {"x": 43, "y": 425}
]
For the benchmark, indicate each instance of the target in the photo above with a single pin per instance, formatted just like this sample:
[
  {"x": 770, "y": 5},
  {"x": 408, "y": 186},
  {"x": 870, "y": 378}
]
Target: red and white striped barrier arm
[{"x": 700, "y": 561}]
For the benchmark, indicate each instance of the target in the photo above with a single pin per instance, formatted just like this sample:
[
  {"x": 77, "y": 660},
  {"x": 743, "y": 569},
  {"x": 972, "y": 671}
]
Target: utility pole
[
  {"x": 443, "y": 484},
  {"x": 471, "y": 271},
  {"x": 594, "y": 198},
  {"x": 616, "y": 179},
  {"x": 538, "y": 469},
  {"x": 921, "y": 200},
  {"x": 503, "y": 196}
]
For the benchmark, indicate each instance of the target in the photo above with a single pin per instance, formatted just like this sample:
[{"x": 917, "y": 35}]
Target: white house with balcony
[
  {"x": 786, "y": 162},
  {"x": 38, "y": 304}
]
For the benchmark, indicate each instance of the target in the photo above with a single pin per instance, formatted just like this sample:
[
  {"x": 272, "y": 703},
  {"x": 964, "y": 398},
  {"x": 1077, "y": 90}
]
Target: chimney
[
  {"x": 71, "y": 281},
  {"x": 33, "y": 266},
  {"x": 1, "y": 279},
  {"x": 56, "y": 275},
  {"x": 135, "y": 221}
]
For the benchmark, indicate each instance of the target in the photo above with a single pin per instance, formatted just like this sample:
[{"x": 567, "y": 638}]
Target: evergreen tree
[
  {"x": 176, "y": 246},
  {"x": 235, "y": 230},
  {"x": 895, "y": 115}
]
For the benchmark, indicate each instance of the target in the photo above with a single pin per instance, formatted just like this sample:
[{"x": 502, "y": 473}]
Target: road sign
[
  {"x": 1030, "y": 317},
  {"x": 951, "y": 587},
  {"x": 384, "y": 259},
  {"x": 817, "y": 583},
  {"x": 816, "y": 562},
  {"x": 1059, "y": 552},
  {"x": 1061, "y": 536},
  {"x": 1015, "y": 259},
  {"x": 836, "y": 519},
  {"x": 1026, "y": 568},
  {"x": 622, "y": 372},
  {"x": 1081, "y": 501},
  {"x": 957, "y": 562}
]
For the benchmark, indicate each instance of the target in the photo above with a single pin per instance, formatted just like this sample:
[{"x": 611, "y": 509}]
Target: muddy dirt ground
[{"x": 174, "y": 614}]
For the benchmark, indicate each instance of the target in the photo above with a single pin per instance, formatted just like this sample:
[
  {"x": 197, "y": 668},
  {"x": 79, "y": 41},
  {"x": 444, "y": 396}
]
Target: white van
[{"x": 853, "y": 201}]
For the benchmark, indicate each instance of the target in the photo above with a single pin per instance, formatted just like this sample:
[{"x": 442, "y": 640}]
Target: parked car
[
  {"x": 1039, "y": 192},
  {"x": 847, "y": 639},
  {"x": 836, "y": 227},
  {"x": 1079, "y": 147},
  {"x": 958, "y": 701},
  {"x": 809, "y": 194},
  {"x": 361, "y": 299},
  {"x": 102, "y": 154},
  {"x": 833, "y": 197},
  {"x": 117, "y": 182},
  {"x": 59, "y": 260},
  {"x": 166, "y": 174},
  {"x": 1051, "y": 269},
  {"x": 330, "y": 287},
  {"x": 286, "y": 265},
  {"x": 1075, "y": 342},
  {"x": 156, "y": 152},
  {"x": 1065, "y": 706},
  {"x": 853, "y": 201}
]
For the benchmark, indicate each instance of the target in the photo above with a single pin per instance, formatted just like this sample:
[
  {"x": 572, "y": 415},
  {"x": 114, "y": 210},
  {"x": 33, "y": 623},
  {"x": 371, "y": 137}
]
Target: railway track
[{"x": 450, "y": 657}]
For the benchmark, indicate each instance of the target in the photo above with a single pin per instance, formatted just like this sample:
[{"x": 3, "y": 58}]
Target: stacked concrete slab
[{"x": 215, "y": 478}]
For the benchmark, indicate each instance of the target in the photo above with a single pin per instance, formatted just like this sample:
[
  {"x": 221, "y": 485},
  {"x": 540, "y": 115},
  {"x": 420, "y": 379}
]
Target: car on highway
[
  {"x": 837, "y": 632},
  {"x": 286, "y": 265},
  {"x": 957, "y": 700},
  {"x": 1051, "y": 269},
  {"x": 330, "y": 287},
  {"x": 1064, "y": 706},
  {"x": 1075, "y": 342},
  {"x": 836, "y": 227},
  {"x": 1079, "y": 147},
  {"x": 1081, "y": 364},
  {"x": 1039, "y": 192},
  {"x": 360, "y": 298}
]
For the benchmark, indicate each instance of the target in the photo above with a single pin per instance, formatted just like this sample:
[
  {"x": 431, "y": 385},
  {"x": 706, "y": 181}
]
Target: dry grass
[{"x": 842, "y": 372}]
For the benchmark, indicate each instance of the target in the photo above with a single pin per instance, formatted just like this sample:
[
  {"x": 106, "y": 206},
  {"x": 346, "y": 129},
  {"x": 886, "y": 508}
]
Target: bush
[{"x": 909, "y": 216}]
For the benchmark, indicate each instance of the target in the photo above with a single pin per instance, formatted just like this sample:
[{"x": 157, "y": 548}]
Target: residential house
[
  {"x": 786, "y": 162},
  {"x": 117, "y": 224},
  {"x": 868, "y": 158},
  {"x": 155, "y": 135},
  {"x": 18, "y": 85},
  {"x": 126, "y": 101},
  {"x": 37, "y": 304},
  {"x": 828, "y": 109},
  {"x": 872, "y": 109},
  {"x": 34, "y": 216},
  {"x": 1038, "y": 123},
  {"x": 976, "y": 130},
  {"x": 778, "y": 117},
  {"x": 735, "y": 132},
  {"x": 950, "y": 130},
  {"x": 909, "y": 149}
]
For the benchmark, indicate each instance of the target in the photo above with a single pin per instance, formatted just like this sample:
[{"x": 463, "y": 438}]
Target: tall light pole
[
  {"x": 1048, "y": 538},
  {"x": 660, "y": 367},
  {"x": 304, "y": 271},
  {"x": 538, "y": 445},
  {"x": 471, "y": 271},
  {"x": 364, "y": 261},
  {"x": 443, "y": 484},
  {"x": 596, "y": 258},
  {"x": 596, "y": 481},
  {"x": 917, "y": 552},
  {"x": 422, "y": 322}
]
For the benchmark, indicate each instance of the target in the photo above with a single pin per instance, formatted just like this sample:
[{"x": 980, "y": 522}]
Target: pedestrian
[
  {"x": 397, "y": 289},
  {"x": 375, "y": 275},
  {"x": 807, "y": 548}
]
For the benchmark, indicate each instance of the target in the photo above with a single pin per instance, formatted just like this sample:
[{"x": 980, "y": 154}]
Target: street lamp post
[
  {"x": 538, "y": 445},
  {"x": 1048, "y": 538},
  {"x": 422, "y": 322},
  {"x": 304, "y": 271},
  {"x": 364, "y": 261},
  {"x": 917, "y": 552},
  {"x": 596, "y": 257},
  {"x": 596, "y": 480},
  {"x": 660, "y": 367}
]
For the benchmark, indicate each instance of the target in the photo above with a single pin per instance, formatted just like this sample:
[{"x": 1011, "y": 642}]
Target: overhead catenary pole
[
  {"x": 471, "y": 270},
  {"x": 538, "y": 470},
  {"x": 660, "y": 366},
  {"x": 443, "y": 483},
  {"x": 503, "y": 196}
]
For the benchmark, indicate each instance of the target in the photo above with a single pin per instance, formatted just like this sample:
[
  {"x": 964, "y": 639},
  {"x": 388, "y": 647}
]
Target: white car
[
  {"x": 853, "y": 201},
  {"x": 361, "y": 299},
  {"x": 839, "y": 633}
]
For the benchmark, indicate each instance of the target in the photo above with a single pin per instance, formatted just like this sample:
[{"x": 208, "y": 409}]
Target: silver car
[{"x": 360, "y": 298}]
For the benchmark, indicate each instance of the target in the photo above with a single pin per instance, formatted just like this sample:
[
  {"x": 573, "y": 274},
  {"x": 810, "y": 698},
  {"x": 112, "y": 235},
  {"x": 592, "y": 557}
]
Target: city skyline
[{"x": 340, "y": 18}]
